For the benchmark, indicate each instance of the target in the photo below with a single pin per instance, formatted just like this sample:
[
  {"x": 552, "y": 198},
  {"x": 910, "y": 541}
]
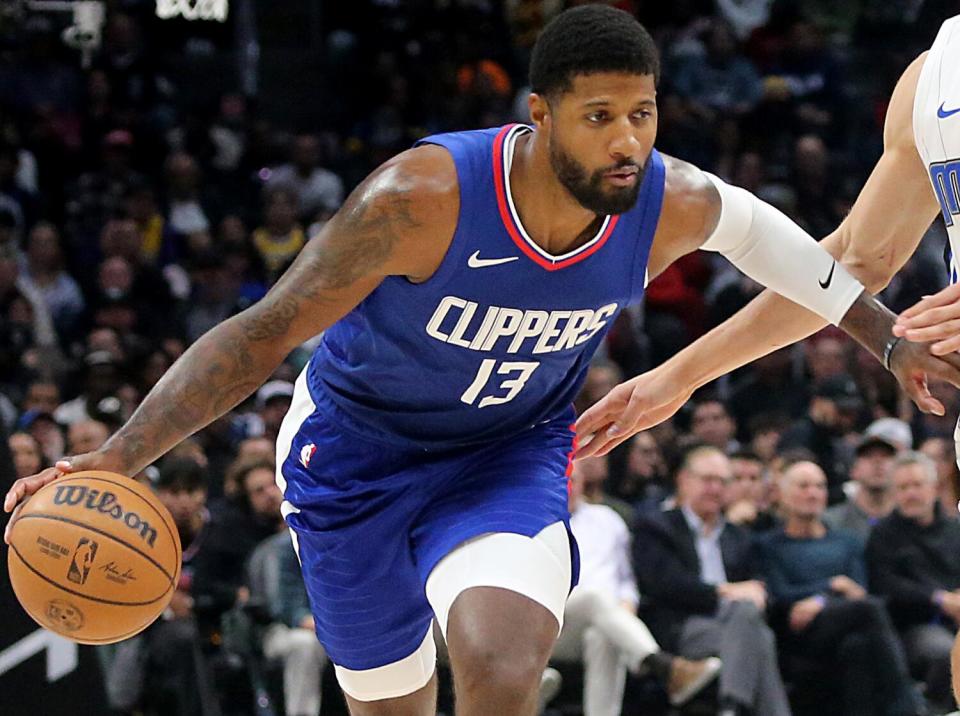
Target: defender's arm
[{"x": 894, "y": 209}]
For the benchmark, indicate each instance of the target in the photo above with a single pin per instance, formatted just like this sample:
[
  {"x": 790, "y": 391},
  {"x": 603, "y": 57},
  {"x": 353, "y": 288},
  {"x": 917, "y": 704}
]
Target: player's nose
[{"x": 624, "y": 143}]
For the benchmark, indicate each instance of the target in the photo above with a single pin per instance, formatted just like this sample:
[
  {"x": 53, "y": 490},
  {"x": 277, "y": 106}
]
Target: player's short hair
[{"x": 586, "y": 40}]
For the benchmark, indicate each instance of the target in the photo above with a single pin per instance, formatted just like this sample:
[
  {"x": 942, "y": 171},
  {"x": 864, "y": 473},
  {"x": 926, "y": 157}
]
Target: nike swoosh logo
[
  {"x": 476, "y": 262},
  {"x": 826, "y": 284},
  {"x": 944, "y": 113}
]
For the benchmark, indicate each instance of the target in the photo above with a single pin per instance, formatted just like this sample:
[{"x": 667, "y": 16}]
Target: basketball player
[
  {"x": 890, "y": 216},
  {"x": 462, "y": 289}
]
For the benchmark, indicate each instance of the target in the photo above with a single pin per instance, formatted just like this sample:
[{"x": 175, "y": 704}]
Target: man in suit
[{"x": 702, "y": 597}]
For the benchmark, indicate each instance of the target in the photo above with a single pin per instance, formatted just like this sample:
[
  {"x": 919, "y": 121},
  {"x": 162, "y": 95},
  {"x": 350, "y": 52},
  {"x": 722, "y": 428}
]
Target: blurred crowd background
[{"x": 162, "y": 182}]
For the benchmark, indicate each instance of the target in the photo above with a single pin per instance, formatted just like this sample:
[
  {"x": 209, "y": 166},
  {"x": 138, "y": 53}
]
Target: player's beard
[{"x": 588, "y": 189}]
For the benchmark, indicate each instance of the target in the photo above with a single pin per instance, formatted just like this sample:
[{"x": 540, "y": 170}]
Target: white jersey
[{"x": 936, "y": 129}]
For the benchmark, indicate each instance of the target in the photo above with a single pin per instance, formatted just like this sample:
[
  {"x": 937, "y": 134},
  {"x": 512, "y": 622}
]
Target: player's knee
[{"x": 506, "y": 674}]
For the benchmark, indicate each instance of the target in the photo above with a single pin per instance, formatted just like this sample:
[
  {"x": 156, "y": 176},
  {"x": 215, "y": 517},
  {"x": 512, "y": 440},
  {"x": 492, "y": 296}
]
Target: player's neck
[{"x": 551, "y": 216}]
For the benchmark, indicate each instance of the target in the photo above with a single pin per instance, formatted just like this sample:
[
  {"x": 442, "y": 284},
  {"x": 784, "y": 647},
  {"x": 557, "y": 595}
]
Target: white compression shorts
[{"x": 537, "y": 567}]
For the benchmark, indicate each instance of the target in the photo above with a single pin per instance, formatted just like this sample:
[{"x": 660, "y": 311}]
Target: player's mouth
[{"x": 623, "y": 176}]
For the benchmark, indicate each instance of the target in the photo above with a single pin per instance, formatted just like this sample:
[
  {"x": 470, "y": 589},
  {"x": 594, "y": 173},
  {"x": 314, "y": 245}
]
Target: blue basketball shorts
[{"x": 371, "y": 520}]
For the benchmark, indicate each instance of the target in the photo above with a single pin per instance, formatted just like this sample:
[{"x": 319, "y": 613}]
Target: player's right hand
[
  {"x": 935, "y": 318},
  {"x": 635, "y": 405},
  {"x": 26, "y": 486}
]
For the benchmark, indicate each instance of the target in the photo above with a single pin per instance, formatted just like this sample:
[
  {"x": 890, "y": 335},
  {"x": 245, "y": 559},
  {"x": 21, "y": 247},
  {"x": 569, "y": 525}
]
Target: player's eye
[{"x": 597, "y": 117}]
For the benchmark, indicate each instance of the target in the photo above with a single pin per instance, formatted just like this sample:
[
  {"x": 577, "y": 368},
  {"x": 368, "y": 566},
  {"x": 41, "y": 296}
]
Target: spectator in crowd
[
  {"x": 646, "y": 482},
  {"x": 102, "y": 379},
  {"x": 702, "y": 588},
  {"x": 712, "y": 424},
  {"x": 747, "y": 493},
  {"x": 914, "y": 561},
  {"x": 273, "y": 402},
  {"x": 593, "y": 473},
  {"x": 23, "y": 305},
  {"x": 802, "y": 88},
  {"x": 46, "y": 430},
  {"x": 319, "y": 190},
  {"x": 893, "y": 430},
  {"x": 831, "y": 414},
  {"x": 943, "y": 454},
  {"x": 188, "y": 212},
  {"x": 97, "y": 194},
  {"x": 45, "y": 273},
  {"x": 86, "y": 436},
  {"x": 42, "y": 395},
  {"x": 216, "y": 293},
  {"x": 162, "y": 670},
  {"x": 602, "y": 376},
  {"x": 599, "y": 623},
  {"x": 768, "y": 388},
  {"x": 274, "y": 581},
  {"x": 280, "y": 238},
  {"x": 816, "y": 578},
  {"x": 256, "y": 447},
  {"x": 871, "y": 494},
  {"x": 722, "y": 85},
  {"x": 27, "y": 457},
  {"x": 158, "y": 242},
  {"x": 765, "y": 430},
  {"x": 237, "y": 525}
]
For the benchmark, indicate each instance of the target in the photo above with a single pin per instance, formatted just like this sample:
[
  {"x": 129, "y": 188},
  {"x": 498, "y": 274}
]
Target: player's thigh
[
  {"x": 370, "y": 614},
  {"x": 422, "y": 702},
  {"x": 499, "y": 599}
]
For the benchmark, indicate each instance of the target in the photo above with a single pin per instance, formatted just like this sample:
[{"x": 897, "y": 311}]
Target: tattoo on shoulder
[{"x": 365, "y": 233}]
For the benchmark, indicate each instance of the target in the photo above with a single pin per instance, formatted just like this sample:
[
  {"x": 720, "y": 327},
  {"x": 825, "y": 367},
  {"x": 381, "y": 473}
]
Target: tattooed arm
[{"x": 398, "y": 222}]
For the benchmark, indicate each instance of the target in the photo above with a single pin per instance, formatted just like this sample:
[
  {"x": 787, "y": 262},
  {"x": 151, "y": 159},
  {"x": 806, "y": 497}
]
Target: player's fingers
[
  {"x": 599, "y": 414},
  {"x": 9, "y": 528},
  {"x": 930, "y": 316},
  {"x": 936, "y": 332},
  {"x": 593, "y": 446},
  {"x": 26, "y": 486},
  {"x": 945, "y": 368},
  {"x": 629, "y": 416},
  {"x": 919, "y": 393},
  {"x": 615, "y": 443},
  {"x": 948, "y": 295},
  {"x": 946, "y": 347}
]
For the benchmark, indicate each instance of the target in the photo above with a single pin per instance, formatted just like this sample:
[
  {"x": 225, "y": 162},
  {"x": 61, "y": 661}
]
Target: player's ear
[{"x": 539, "y": 109}]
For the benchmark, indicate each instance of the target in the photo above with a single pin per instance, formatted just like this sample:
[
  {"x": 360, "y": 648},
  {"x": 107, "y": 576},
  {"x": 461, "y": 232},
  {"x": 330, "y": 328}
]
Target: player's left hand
[
  {"x": 935, "y": 318},
  {"x": 912, "y": 364},
  {"x": 633, "y": 406}
]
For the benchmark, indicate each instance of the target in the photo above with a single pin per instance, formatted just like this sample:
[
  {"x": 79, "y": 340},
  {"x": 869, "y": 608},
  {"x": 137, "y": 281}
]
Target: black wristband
[{"x": 888, "y": 350}]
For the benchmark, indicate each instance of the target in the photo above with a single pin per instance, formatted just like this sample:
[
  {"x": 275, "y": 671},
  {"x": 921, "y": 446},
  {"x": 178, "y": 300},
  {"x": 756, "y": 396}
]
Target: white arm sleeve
[{"x": 772, "y": 250}]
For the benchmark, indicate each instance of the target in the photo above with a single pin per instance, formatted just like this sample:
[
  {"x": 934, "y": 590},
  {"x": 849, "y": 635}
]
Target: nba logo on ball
[{"x": 82, "y": 561}]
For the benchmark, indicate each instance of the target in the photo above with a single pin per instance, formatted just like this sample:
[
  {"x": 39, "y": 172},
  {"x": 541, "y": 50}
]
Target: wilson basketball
[{"x": 94, "y": 556}]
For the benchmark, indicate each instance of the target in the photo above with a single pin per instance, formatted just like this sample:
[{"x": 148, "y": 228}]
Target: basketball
[{"x": 94, "y": 557}]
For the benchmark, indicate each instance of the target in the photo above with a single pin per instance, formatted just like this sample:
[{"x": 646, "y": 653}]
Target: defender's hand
[
  {"x": 26, "y": 486},
  {"x": 935, "y": 318},
  {"x": 635, "y": 405}
]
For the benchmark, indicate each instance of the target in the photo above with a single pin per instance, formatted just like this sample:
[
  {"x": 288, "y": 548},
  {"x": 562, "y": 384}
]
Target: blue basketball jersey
[{"x": 499, "y": 339}]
